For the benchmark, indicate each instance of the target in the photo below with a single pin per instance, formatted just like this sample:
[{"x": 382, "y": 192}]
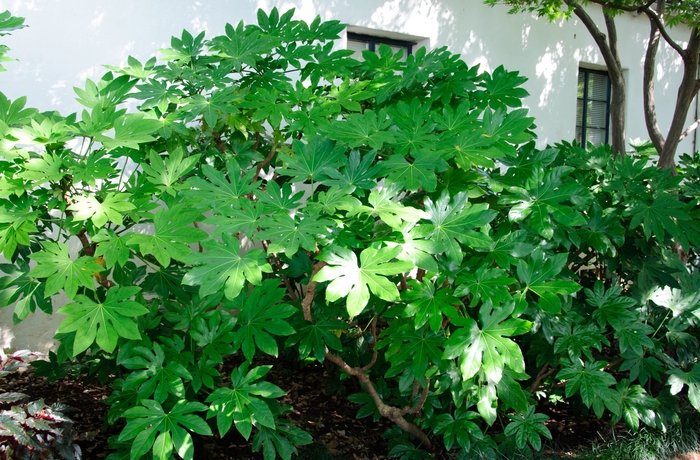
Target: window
[
  {"x": 361, "y": 42},
  {"x": 593, "y": 107}
]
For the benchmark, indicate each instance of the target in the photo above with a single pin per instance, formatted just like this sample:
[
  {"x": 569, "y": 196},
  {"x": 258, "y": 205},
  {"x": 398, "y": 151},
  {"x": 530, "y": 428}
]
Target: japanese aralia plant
[{"x": 390, "y": 218}]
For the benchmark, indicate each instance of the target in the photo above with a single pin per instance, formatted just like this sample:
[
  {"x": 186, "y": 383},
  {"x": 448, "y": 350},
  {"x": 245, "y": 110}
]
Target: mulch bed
[{"x": 327, "y": 416}]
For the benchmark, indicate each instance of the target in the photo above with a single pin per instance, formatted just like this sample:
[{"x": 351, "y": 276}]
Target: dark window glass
[
  {"x": 593, "y": 107},
  {"x": 362, "y": 42}
]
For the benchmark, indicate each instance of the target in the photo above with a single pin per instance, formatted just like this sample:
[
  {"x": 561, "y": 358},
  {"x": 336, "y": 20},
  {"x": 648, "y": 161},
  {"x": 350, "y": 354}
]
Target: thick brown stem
[
  {"x": 545, "y": 372},
  {"x": 394, "y": 414},
  {"x": 613, "y": 364},
  {"x": 415, "y": 410},
  {"x": 88, "y": 247},
  {"x": 310, "y": 292},
  {"x": 267, "y": 159}
]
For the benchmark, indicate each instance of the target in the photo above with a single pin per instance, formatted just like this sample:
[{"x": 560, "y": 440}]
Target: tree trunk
[
  {"x": 608, "y": 48},
  {"x": 618, "y": 100},
  {"x": 655, "y": 135},
  {"x": 687, "y": 91}
]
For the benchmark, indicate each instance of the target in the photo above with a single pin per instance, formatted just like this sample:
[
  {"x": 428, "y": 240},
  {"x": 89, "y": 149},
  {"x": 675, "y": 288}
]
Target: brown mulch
[
  {"x": 326, "y": 415},
  {"x": 328, "y": 418}
]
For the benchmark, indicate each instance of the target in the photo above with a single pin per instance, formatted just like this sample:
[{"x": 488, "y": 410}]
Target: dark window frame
[
  {"x": 373, "y": 40},
  {"x": 584, "y": 103}
]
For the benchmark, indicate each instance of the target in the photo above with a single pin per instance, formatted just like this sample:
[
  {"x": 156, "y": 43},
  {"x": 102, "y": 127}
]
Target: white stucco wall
[{"x": 70, "y": 40}]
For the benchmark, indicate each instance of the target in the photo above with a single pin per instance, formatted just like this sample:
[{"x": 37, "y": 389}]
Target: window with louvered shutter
[{"x": 593, "y": 107}]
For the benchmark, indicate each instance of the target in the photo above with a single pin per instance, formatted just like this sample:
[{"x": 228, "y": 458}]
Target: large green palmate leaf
[
  {"x": 241, "y": 218},
  {"x": 582, "y": 339},
  {"x": 488, "y": 347},
  {"x": 47, "y": 168},
  {"x": 159, "y": 94},
  {"x": 220, "y": 191},
  {"x": 642, "y": 367},
  {"x": 394, "y": 214},
  {"x": 166, "y": 173},
  {"x": 658, "y": 217},
  {"x": 412, "y": 348},
  {"x": 527, "y": 428},
  {"x": 14, "y": 113},
  {"x": 355, "y": 281},
  {"x": 287, "y": 234},
  {"x": 262, "y": 315},
  {"x": 416, "y": 174},
  {"x": 280, "y": 198},
  {"x": 368, "y": 128},
  {"x": 454, "y": 220},
  {"x": 102, "y": 322},
  {"x": 130, "y": 131},
  {"x": 311, "y": 160},
  {"x": 637, "y": 404},
  {"x": 427, "y": 304},
  {"x": 677, "y": 379},
  {"x": 417, "y": 247},
  {"x": 151, "y": 375},
  {"x": 17, "y": 223},
  {"x": 602, "y": 231},
  {"x": 357, "y": 173},
  {"x": 112, "y": 248},
  {"x": 504, "y": 87},
  {"x": 172, "y": 235},
  {"x": 474, "y": 148},
  {"x": 223, "y": 267},
  {"x": 22, "y": 290},
  {"x": 221, "y": 102},
  {"x": 154, "y": 429},
  {"x": 537, "y": 277},
  {"x": 61, "y": 272},
  {"x": 280, "y": 441},
  {"x": 593, "y": 384},
  {"x": 245, "y": 403},
  {"x": 110, "y": 209},
  {"x": 541, "y": 200},
  {"x": 458, "y": 429},
  {"x": 610, "y": 307},
  {"x": 485, "y": 283},
  {"x": 315, "y": 337}
]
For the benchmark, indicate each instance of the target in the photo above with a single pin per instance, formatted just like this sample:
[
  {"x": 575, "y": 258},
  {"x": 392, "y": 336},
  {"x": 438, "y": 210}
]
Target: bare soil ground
[{"x": 319, "y": 408}]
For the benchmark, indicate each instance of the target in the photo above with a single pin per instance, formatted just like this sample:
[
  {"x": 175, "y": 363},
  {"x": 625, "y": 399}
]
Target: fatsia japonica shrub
[{"x": 390, "y": 218}]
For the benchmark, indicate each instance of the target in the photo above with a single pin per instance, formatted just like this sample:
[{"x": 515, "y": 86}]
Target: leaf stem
[{"x": 660, "y": 325}]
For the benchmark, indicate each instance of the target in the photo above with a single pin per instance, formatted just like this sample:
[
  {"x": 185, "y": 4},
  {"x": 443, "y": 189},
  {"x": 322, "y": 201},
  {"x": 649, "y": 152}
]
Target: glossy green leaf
[
  {"x": 62, "y": 272},
  {"x": 262, "y": 316},
  {"x": 355, "y": 281},
  {"x": 488, "y": 347},
  {"x": 102, "y": 322},
  {"x": 224, "y": 267}
]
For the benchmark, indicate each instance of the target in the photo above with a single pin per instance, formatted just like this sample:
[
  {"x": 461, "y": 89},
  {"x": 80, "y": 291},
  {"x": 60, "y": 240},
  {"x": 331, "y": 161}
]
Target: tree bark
[
  {"x": 608, "y": 48},
  {"x": 618, "y": 100},
  {"x": 687, "y": 91},
  {"x": 655, "y": 135}
]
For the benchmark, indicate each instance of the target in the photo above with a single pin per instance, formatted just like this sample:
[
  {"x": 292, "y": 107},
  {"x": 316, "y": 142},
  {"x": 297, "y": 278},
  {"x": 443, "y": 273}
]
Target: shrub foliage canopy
[{"x": 391, "y": 217}]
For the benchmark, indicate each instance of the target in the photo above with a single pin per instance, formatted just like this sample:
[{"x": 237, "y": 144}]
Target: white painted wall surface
[{"x": 69, "y": 41}]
